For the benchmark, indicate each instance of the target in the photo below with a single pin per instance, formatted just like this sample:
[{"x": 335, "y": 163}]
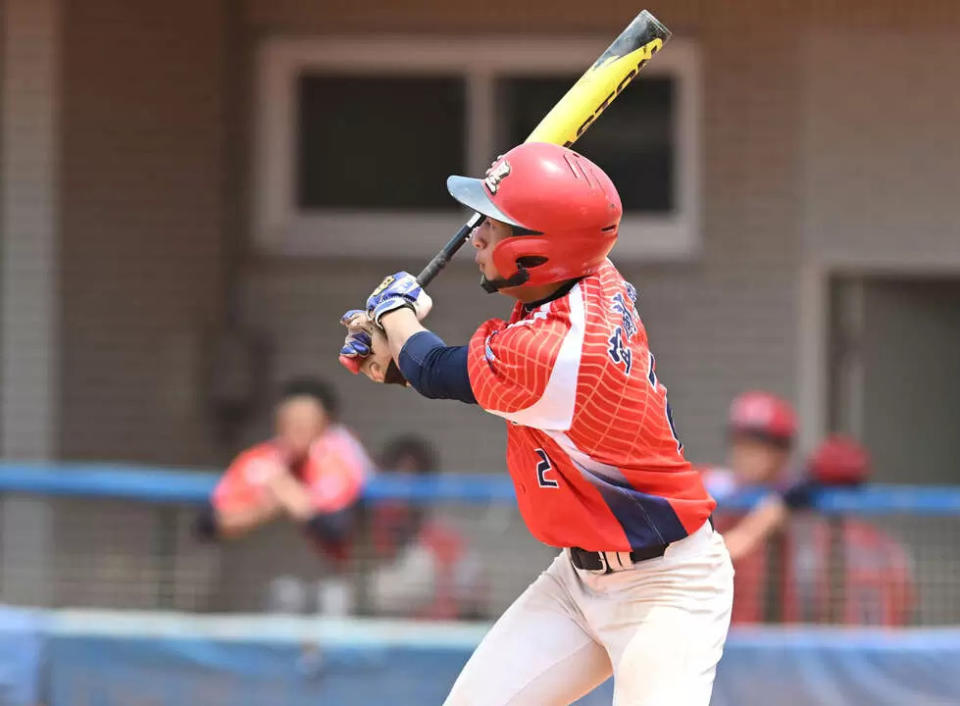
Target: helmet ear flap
[
  {"x": 514, "y": 254},
  {"x": 528, "y": 261}
]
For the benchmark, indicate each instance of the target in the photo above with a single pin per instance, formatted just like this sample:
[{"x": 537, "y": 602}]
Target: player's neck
[{"x": 540, "y": 294}]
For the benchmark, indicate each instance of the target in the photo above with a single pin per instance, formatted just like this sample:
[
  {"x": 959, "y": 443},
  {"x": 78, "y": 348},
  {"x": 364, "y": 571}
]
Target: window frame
[{"x": 280, "y": 227}]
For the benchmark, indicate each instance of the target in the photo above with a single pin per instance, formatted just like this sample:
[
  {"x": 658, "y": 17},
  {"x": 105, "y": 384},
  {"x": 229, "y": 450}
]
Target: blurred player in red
[
  {"x": 761, "y": 431},
  {"x": 844, "y": 569},
  {"x": 312, "y": 472},
  {"x": 761, "y": 428},
  {"x": 426, "y": 567},
  {"x": 643, "y": 585},
  {"x": 815, "y": 568}
]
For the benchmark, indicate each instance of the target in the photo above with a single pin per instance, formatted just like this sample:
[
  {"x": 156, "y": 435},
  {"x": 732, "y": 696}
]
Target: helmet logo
[{"x": 495, "y": 175}]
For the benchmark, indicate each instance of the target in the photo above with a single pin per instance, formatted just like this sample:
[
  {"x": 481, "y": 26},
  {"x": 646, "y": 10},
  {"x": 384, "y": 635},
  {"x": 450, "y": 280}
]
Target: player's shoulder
[
  {"x": 340, "y": 441},
  {"x": 256, "y": 462},
  {"x": 337, "y": 437},
  {"x": 528, "y": 331},
  {"x": 511, "y": 363},
  {"x": 264, "y": 451},
  {"x": 606, "y": 292}
]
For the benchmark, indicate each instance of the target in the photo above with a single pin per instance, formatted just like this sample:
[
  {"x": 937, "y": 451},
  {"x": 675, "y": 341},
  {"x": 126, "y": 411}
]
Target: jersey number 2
[{"x": 542, "y": 469}]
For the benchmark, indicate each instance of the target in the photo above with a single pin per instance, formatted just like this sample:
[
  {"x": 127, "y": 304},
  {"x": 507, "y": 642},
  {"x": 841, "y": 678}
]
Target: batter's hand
[
  {"x": 358, "y": 345},
  {"x": 366, "y": 349},
  {"x": 397, "y": 291}
]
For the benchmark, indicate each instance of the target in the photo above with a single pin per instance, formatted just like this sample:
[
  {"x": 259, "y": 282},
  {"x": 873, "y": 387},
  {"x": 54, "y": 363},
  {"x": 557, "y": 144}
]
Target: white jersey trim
[
  {"x": 586, "y": 463},
  {"x": 598, "y": 472},
  {"x": 554, "y": 410}
]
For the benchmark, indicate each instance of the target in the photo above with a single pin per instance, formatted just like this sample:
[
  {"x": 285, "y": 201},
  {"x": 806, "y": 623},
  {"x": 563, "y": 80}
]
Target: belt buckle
[{"x": 582, "y": 557}]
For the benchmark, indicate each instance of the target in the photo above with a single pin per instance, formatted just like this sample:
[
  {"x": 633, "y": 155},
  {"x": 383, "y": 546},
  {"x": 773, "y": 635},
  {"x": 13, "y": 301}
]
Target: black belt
[{"x": 596, "y": 561}]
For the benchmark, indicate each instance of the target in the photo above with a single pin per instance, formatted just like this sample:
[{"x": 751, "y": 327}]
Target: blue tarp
[
  {"x": 21, "y": 656},
  {"x": 821, "y": 671},
  {"x": 840, "y": 667},
  {"x": 134, "y": 659}
]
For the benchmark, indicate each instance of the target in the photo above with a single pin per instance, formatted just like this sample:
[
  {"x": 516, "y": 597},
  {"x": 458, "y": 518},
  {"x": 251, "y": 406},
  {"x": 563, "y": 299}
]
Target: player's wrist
[{"x": 391, "y": 307}]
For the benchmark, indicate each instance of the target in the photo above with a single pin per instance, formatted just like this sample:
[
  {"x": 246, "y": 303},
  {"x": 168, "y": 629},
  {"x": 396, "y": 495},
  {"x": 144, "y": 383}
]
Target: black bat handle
[{"x": 441, "y": 259}]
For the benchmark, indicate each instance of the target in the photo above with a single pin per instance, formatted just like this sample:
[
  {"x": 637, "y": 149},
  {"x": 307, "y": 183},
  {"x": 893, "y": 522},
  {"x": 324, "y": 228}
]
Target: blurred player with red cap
[
  {"x": 761, "y": 429},
  {"x": 790, "y": 579},
  {"x": 642, "y": 588},
  {"x": 312, "y": 471},
  {"x": 844, "y": 569}
]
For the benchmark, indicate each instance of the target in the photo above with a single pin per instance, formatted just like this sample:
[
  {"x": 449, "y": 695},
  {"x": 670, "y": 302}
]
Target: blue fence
[{"x": 158, "y": 485}]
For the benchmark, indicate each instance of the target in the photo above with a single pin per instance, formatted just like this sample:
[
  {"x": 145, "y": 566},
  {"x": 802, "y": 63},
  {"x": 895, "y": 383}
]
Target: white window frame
[{"x": 281, "y": 228}]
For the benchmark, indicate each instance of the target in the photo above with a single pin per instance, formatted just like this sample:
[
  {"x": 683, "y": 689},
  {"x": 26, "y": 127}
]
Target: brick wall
[
  {"x": 156, "y": 142},
  {"x": 142, "y": 217},
  {"x": 718, "y": 323}
]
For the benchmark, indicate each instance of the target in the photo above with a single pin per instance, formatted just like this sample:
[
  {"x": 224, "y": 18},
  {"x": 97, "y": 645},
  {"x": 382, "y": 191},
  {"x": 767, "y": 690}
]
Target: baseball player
[
  {"x": 312, "y": 472},
  {"x": 642, "y": 588},
  {"x": 761, "y": 431},
  {"x": 426, "y": 566},
  {"x": 761, "y": 428},
  {"x": 847, "y": 569}
]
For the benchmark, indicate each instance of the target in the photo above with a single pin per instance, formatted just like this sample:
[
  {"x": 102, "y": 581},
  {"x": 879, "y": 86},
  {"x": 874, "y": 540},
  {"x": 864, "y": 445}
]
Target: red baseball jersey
[
  {"x": 591, "y": 446},
  {"x": 334, "y": 473}
]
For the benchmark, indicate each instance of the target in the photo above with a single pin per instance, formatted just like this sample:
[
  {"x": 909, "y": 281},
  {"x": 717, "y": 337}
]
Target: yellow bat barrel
[
  {"x": 577, "y": 110},
  {"x": 602, "y": 82}
]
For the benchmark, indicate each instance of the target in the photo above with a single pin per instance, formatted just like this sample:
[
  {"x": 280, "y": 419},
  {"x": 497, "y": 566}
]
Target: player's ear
[
  {"x": 373, "y": 369},
  {"x": 382, "y": 372}
]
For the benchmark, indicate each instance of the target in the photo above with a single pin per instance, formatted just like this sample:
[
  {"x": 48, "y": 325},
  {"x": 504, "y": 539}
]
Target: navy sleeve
[
  {"x": 434, "y": 369},
  {"x": 800, "y": 496}
]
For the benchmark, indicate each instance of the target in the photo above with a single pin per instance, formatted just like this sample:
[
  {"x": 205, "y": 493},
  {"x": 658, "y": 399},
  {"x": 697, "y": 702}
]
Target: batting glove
[
  {"x": 397, "y": 291},
  {"x": 358, "y": 344}
]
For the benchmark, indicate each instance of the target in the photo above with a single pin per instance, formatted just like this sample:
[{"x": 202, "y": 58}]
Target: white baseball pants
[{"x": 658, "y": 627}]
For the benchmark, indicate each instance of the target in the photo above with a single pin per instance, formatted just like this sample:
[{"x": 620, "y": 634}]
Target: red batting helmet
[
  {"x": 840, "y": 460},
  {"x": 567, "y": 209},
  {"x": 764, "y": 415}
]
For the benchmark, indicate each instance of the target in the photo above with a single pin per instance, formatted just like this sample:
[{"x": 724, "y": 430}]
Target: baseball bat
[{"x": 579, "y": 108}]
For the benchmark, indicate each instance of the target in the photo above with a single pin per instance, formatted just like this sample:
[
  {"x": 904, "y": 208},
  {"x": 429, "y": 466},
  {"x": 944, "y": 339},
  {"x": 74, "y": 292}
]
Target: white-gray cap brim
[{"x": 473, "y": 194}]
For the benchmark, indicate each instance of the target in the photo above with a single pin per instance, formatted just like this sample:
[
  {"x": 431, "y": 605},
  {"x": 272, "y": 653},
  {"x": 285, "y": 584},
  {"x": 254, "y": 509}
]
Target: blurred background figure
[
  {"x": 844, "y": 569},
  {"x": 311, "y": 473},
  {"x": 761, "y": 428},
  {"x": 794, "y": 565},
  {"x": 426, "y": 567}
]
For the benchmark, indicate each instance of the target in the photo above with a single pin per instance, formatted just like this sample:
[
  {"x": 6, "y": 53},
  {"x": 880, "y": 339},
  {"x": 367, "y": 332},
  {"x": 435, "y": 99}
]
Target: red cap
[
  {"x": 568, "y": 204},
  {"x": 763, "y": 414},
  {"x": 840, "y": 460}
]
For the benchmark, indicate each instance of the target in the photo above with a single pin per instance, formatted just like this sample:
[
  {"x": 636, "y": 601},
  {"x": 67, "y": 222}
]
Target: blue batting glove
[
  {"x": 397, "y": 291},
  {"x": 357, "y": 345},
  {"x": 349, "y": 317}
]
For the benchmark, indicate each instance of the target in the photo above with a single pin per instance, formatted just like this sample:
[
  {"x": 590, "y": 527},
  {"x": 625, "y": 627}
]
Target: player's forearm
[
  {"x": 755, "y": 527},
  {"x": 399, "y": 326},
  {"x": 432, "y": 368},
  {"x": 292, "y": 497},
  {"x": 235, "y": 523}
]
